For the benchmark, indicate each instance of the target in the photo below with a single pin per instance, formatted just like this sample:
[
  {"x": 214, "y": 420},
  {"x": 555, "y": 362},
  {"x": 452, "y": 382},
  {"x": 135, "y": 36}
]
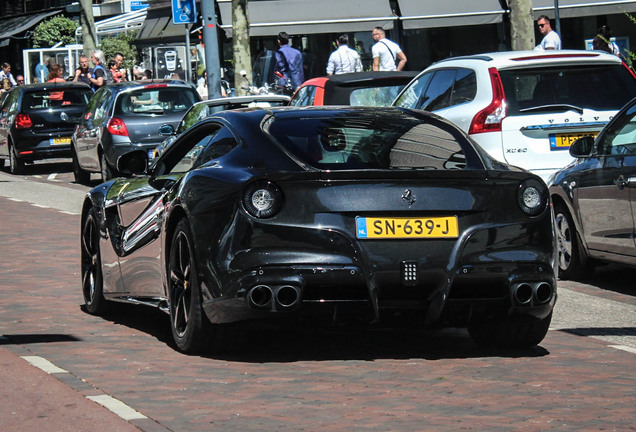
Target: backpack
[{"x": 108, "y": 75}]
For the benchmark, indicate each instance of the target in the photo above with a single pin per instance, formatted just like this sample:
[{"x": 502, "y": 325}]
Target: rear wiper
[{"x": 553, "y": 107}]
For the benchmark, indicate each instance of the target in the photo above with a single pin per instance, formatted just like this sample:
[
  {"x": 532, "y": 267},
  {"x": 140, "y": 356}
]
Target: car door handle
[{"x": 620, "y": 182}]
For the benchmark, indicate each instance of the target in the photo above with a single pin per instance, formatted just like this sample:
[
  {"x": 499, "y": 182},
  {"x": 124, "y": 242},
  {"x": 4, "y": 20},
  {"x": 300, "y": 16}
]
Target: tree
[
  {"x": 55, "y": 30},
  {"x": 521, "y": 25},
  {"x": 241, "y": 43},
  {"x": 88, "y": 26},
  {"x": 123, "y": 44}
]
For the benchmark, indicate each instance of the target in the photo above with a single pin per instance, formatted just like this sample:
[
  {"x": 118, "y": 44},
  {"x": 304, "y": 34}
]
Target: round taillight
[
  {"x": 116, "y": 126},
  {"x": 262, "y": 199},
  {"x": 532, "y": 196}
]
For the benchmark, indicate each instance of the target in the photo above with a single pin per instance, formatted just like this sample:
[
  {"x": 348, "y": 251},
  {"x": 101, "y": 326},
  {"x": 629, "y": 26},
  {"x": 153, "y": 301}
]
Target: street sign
[{"x": 184, "y": 11}]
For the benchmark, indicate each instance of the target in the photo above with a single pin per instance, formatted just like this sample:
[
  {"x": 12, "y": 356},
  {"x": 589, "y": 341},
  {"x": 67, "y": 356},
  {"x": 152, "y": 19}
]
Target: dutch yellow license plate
[
  {"x": 564, "y": 141},
  {"x": 58, "y": 141},
  {"x": 407, "y": 228}
]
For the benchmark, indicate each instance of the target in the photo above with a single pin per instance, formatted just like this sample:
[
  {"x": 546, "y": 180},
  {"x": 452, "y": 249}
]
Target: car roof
[
  {"x": 244, "y": 99},
  {"x": 511, "y": 59}
]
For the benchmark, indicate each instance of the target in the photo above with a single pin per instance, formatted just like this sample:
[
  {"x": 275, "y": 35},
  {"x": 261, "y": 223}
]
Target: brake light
[
  {"x": 489, "y": 119},
  {"x": 23, "y": 121},
  {"x": 116, "y": 126},
  {"x": 151, "y": 86}
]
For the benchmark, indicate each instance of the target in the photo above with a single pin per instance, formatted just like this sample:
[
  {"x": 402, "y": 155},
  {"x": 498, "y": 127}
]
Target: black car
[
  {"x": 593, "y": 201},
  {"x": 332, "y": 213},
  {"x": 124, "y": 117},
  {"x": 37, "y": 121}
]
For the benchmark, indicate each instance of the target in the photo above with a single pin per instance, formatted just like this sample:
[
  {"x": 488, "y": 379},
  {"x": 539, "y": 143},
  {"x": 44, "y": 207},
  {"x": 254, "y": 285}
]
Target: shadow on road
[
  {"x": 613, "y": 277},
  {"x": 254, "y": 343}
]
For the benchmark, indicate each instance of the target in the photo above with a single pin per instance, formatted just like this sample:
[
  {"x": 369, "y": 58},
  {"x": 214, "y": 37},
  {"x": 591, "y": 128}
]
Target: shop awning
[
  {"x": 158, "y": 25},
  {"x": 417, "y": 14},
  {"x": 580, "y": 8},
  {"x": 297, "y": 17},
  {"x": 118, "y": 24},
  {"x": 18, "y": 24}
]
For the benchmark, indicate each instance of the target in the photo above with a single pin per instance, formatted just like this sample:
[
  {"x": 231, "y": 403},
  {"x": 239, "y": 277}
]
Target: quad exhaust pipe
[
  {"x": 265, "y": 297},
  {"x": 527, "y": 293}
]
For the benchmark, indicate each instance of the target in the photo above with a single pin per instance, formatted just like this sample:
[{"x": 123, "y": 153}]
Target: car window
[
  {"x": 465, "y": 87},
  {"x": 47, "y": 98},
  {"x": 439, "y": 91},
  {"x": 220, "y": 144},
  {"x": 375, "y": 96},
  {"x": 195, "y": 114},
  {"x": 154, "y": 100},
  {"x": 392, "y": 143},
  {"x": 414, "y": 95},
  {"x": 304, "y": 96},
  {"x": 10, "y": 103},
  {"x": 103, "y": 107},
  {"x": 621, "y": 137},
  {"x": 598, "y": 87}
]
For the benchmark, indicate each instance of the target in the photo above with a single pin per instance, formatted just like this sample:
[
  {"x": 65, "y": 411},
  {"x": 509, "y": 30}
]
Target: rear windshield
[
  {"x": 153, "y": 100},
  {"x": 601, "y": 88},
  {"x": 49, "y": 98},
  {"x": 375, "y": 96},
  {"x": 365, "y": 142}
]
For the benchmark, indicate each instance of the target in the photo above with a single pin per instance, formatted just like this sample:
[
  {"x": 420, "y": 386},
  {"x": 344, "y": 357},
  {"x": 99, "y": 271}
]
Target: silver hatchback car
[{"x": 124, "y": 117}]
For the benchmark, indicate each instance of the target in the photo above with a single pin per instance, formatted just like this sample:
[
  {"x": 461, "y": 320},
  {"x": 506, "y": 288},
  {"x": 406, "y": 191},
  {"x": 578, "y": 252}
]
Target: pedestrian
[
  {"x": 289, "y": 62},
  {"x": 119, "y": 60},
  {"x": 20, "y": 79},
  {"x": 6, "y": 73},
  {"x": 344, "y": 59},
  {"x": 602, "y": 41},
  {"x": 83, "y": 71},
  {"x": 114, "y": 71},
  {"x": 42, "y": 69},
  {"x": 55, "y": 75},
  {"x": 97, "y": 77},
  {"x": 386, "y": 52},
  {"x": 551, "y": 40}
]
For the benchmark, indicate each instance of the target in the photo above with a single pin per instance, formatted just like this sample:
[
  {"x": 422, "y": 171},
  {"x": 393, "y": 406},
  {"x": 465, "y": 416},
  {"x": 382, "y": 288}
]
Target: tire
[
  {"x": 518, "y": 332},
  {"x": 16, "y": 165},
  {"x": 1, "y": 163},
  {"x": 92, "y": 279},
  {"x": 191, "y": 330},
  {"x": 107, "y": 173},
  {"x": 81, "y": 176},
  {"x": 573, "y": 263}
]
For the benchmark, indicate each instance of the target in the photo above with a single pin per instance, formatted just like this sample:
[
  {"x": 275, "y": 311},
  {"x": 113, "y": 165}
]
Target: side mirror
[
  {"x": 582, "y": 147},
  {"x": 166, "y": 130},
  {"x": 133, "y": 163}
]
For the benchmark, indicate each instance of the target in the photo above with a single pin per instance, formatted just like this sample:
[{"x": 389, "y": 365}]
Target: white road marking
[
  {"x": 51, "y": 177},
  {"x": 624, "y": 348},
  {"x": 44, "y": 364},
  {"x": 118, "y": 407}
]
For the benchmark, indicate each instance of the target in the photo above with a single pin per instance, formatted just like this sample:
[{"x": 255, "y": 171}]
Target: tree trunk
[
  {"x": 89, "y": 38},
  {"x": 241, "y": 44},
  {"x": 521, "y": 25}
]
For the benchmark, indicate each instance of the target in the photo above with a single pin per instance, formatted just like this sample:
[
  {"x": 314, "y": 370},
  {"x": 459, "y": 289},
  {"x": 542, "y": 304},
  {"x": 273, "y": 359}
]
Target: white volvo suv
[{"x": 525, "y": 108}]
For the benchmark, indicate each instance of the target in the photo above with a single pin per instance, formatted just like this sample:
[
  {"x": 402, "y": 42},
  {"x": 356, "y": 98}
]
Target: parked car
[
  {"x": 37, "y": 121},
  {"x": 525, "y": 108},
  {"x": 308, "y": 214},
  {"x": 206, "y": 108},
  {"x": 124, "y": 117},
  {"x": 357, "y": 89},
  {"x": 594, "y": 202}
]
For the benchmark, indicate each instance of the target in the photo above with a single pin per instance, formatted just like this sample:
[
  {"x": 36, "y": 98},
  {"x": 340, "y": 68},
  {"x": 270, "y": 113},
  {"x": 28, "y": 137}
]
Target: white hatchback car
[{"x": 525, "y": 108}]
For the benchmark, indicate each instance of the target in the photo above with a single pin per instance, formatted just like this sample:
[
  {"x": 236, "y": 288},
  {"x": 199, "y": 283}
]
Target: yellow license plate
[
  {"x": 406, "y": 228},
  {"x": 57, "y": 141},
  {"x": 564, "y": 141}
]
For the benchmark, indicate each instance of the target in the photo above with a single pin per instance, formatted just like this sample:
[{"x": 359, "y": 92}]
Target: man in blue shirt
[
  {"x": 42, "y": 70},
  {"x": 289, "y": 62}
]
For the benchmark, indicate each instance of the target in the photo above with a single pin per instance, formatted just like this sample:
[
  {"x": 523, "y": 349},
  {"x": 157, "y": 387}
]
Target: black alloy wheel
[
  {"x": 16, "y": 165},
  {"x": 92, "y": 280},
  {"x": 80, "y": 176},
  {"x": 107, "y": 173},
  {"x": 573, "y": 264},
  {"x": 191, "y": 329}
]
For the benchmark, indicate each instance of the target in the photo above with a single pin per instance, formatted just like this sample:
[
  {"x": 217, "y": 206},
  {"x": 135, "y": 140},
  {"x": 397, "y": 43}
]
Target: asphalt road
[{"x": 63, "y": 369}]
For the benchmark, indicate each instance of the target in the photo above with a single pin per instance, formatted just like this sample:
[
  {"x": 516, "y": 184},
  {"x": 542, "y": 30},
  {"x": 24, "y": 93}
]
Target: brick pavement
[{"x": 290, "y": 380}]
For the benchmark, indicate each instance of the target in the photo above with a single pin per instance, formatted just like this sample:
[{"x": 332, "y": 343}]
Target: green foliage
[
  {"x": 55, "y": 30},
  {"x": 123, "y": 44}
]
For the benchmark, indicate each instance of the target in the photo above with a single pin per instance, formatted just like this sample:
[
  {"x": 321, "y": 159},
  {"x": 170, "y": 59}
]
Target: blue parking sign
[{"x": 184, "y": 11}]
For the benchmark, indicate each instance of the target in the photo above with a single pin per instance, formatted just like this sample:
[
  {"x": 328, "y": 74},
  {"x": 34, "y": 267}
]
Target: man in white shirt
[
  {"x": 344, "y": 59},
  {"x": 551, "y": 40},
  {"x": 386, "y": 53}
]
